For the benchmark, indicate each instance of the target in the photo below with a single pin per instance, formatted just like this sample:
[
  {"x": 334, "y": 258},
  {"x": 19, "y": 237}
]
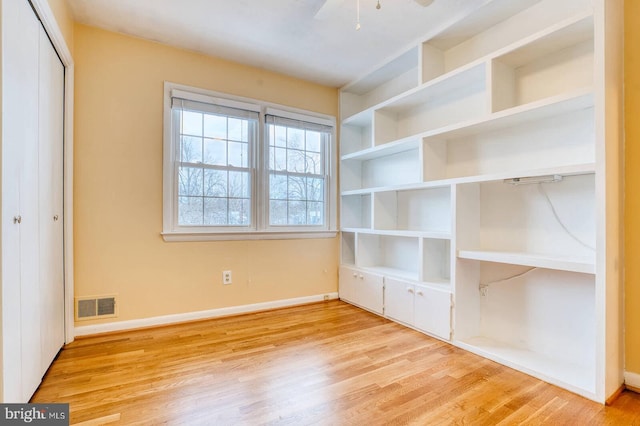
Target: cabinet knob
[
  {"x": 355, "y": 275},
  {"x": 55, "y": 217},
  {"x": 17, "y": 219},
  {"x": 361, "y": 277},
  {"x": 410, "y": 290},
  {"x": 420, "y": 293}
]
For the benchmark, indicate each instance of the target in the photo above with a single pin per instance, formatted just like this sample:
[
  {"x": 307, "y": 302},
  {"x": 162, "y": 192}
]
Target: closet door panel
[
  {"x": 15, "y": 129},
  {"x": 51, "y": 119},
  {"x": 25, "y": 98}
]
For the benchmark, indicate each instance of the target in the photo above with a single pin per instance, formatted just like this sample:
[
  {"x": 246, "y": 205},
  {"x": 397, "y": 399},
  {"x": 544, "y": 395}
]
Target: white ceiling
[{"x": 286, "y": 36}]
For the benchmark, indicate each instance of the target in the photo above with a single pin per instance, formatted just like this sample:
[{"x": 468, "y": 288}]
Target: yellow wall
[
  {"x": 632, "y": 185},
  {"x": 118, "y": 186}
]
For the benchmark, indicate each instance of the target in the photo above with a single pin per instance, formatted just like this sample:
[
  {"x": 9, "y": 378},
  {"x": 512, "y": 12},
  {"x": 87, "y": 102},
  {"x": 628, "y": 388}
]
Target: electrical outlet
[
  {"x": 326, "y": 297},
  {"x": 226, "y": 277}
]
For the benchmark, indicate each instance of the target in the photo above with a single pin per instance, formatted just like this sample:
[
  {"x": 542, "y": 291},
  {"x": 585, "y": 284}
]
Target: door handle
[
  {"x": 55, "y": 217},
  {"x": 17, "y": 219}
]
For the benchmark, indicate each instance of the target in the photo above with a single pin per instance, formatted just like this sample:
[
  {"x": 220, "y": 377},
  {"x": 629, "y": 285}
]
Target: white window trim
[{"x": 260, "y": 229}]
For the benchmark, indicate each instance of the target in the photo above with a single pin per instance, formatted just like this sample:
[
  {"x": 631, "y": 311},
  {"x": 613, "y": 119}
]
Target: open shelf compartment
[
  {"x": 423, "y": 210},
  {"x": 557, "y": 63},
  {"x": 396, "y": 256},
  {"x": 539, "y": 321}
]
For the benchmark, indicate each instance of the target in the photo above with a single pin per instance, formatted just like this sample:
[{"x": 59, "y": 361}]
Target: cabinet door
[
  {"x": 398, "y": 300},
  {"x": 370, "y": 289},
  {"x": 433, "y": 311},
  {"x": 347, "y": 284}
]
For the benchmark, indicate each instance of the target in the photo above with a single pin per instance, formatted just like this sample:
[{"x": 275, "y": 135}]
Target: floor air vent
[{"x": 95, "y": 307}]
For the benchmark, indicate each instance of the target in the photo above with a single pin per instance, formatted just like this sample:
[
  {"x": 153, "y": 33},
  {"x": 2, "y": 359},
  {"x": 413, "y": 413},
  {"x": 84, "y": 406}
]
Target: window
[
  {"x": 237, "y": 168},
  {"x": 297, "y": 171}
]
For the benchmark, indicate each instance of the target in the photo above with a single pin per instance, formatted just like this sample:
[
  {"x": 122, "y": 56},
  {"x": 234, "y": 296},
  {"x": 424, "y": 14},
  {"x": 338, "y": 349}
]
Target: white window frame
[{"x": 260, "y": 228}]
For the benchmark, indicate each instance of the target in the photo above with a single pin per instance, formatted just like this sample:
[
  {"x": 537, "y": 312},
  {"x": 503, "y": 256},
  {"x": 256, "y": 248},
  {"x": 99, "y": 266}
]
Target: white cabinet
[
  {"x": 480, "y": 174},
  {"x": 432, "y": 311},
  {"x": 362, "y": 288},
  {"x": 398, "y": 302},
  {"x": 32, "y": 279},
  {"x": 427, "y": 309}
]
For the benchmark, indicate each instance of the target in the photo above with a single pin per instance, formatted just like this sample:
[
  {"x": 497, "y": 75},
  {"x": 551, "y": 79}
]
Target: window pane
[
  {"x": 235, "y": 129},
  {"x": 190, "y": 149},
  {"x": 313, "y": 163},
  {"x": 278, "y": 212},
  {"x": 190, "y": 211},
  {"x": 297, "y": 188},
  {"x": 238, "y": 154},
  {"x": 278, "y": 187},
  {"x": 280, "y": 159},
  {"x": 239, "y": 212},
  {"x": 215, "y": 152},
  {"x": 215, "y": 183},
  {"x": 190, "y": 181},
  {"x": 215, "y": 126},
  {"x": 313, "y": 141},
  {"x": 315, "y": 213},
  {"x": 239, "y": 185},
  {"x": 297, "y": 213},
  {"x": 315, "y": 189},
  {"x": 191, "y": 123},
  {"x": 295, "y": 138},
  {"x": 280, "y": 136},
  {"x": 295, "y": 161},
  {"x": 215, "y": 211}
]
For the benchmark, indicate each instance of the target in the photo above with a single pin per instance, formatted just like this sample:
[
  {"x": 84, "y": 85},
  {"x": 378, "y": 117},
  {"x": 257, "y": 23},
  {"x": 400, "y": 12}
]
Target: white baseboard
[
  {"x": 87, "y": 330},
  {"x": 632, "y": 379}
]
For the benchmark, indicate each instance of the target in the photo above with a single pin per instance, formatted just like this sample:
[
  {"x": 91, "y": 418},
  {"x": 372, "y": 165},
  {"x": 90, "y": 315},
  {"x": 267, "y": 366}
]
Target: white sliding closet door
[
  {"x": 51, "y": 136},
  {"x": 32, "y": 241}
]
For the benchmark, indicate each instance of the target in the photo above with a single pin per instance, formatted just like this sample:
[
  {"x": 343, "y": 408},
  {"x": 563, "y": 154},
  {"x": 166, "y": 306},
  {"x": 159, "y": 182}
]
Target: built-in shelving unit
[{"x": 479, "y": 189}]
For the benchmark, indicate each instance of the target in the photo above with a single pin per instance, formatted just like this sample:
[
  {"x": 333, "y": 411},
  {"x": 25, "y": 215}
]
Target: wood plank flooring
[{"x": 321, "y": 364}]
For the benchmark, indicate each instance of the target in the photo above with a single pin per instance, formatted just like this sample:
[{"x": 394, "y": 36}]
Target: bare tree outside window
[
  {"x": 297, "y": 155},
  {"x": 214, "y": 175}
]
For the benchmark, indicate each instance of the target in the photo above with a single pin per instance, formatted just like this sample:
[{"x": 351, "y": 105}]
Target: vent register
[{"x": 95, "y": 307}]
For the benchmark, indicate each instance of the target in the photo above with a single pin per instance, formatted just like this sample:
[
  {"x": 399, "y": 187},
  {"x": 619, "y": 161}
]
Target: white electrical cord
[
  {"x": 501, "y": 280},
  {"x": 555, "y": 214}
]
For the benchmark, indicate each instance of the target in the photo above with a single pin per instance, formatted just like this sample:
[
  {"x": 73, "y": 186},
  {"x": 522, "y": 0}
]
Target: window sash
[
  {"x": 211, "y": 204},
  {"x": 325, "y": 133}
]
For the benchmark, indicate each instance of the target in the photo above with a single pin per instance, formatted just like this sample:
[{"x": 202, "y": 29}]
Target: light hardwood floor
[{"x": 327, "y": 364}]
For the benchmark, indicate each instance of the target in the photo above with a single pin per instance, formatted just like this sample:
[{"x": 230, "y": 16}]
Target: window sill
[{"x": 234, "y": 236}]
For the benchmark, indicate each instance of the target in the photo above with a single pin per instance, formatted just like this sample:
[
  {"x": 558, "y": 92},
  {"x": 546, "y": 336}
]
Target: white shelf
[
  {"x": 563, "y": 33},
  {"x": 400, "y": 233},
  {"x": 580, "y": 264},
  {"x": 417, "y": 95},
  {"x": 383, "y": 150},
  {"x": 403, "y": 63},
  {"x": 391, "y": 272},
  {"x": 361, "y": 119},
  {"x": 571, "y": 170},
  {"x": 531, "y": 112},
  {"x": 552, "y": 39},
  {"x": 578, "y": 378},
  {"x": 466, "y": 76},
  {"x": 534, "y": 111},
  {"x": 440, "y": 284}
]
